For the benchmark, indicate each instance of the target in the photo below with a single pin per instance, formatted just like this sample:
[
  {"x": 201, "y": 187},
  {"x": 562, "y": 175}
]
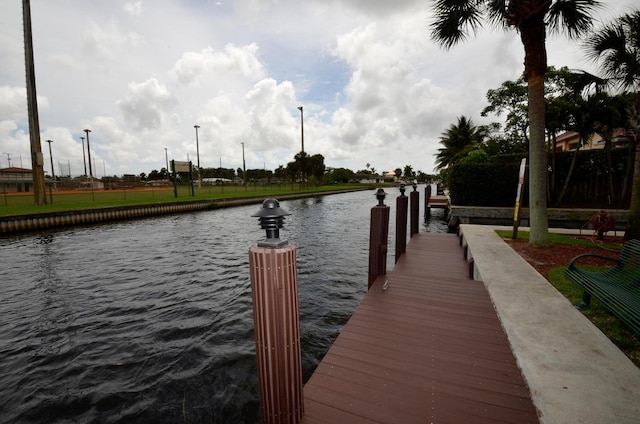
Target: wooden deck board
[{"x": 430, "y": 348}]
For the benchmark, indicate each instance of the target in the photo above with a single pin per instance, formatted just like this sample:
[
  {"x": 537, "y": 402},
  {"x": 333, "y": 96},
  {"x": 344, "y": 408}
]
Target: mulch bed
[{"x": 544, "y": 258}]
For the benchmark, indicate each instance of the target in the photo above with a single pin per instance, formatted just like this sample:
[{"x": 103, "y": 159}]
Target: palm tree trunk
[{"x": 533, "y": 34}]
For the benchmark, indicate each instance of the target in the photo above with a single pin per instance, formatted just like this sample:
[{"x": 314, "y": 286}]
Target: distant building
[
  {"x": 16, "y": 180},
  {"x": 366, "y": 178},
  {"x": 568, "y": 141}
]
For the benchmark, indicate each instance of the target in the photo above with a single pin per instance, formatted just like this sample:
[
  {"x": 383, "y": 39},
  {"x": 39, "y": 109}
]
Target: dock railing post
[
  {"x": 276, "y": 317},
  {"x": 379, "y": 234},
  {"x": 427, "y": 197},
  {"x": 415, "y": 207},
  {"x": 401, "y": 222}
]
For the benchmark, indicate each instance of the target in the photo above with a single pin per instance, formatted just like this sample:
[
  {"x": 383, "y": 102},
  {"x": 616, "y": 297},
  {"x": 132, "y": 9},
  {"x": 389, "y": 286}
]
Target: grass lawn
[{"x": 23, "y": 204}]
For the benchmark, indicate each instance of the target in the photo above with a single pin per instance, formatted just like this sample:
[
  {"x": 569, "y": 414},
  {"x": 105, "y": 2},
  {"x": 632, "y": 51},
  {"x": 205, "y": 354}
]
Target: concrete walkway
[{"x": 575, "y": 373}]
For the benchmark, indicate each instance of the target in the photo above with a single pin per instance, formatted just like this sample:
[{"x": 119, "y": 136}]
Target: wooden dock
[
  {"x": 438, "y": 202},
  {"x": 427, "y": 349}
]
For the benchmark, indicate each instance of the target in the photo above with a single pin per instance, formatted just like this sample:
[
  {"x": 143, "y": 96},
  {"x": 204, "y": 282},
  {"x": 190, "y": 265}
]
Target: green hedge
[
  {"x": 494, "y": 182},
  {"x": 486, "y": 184}
]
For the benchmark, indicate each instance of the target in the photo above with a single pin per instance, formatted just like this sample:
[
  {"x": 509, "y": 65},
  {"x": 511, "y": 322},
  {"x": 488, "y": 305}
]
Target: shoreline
[{"x": 14, "y": 224}]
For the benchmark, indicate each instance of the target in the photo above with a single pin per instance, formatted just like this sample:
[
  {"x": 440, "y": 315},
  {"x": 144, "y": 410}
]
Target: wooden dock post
[
  {"x": 378, "y": 235},
  {"x": 427, "y": 197},
  {"x": 276, "y": 317},
  {"x": 415, "y": 207},
  {"x": 401, "y": 222}
]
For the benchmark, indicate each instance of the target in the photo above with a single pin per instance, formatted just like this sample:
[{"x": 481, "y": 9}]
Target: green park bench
[{"x": 617, "y": 288}]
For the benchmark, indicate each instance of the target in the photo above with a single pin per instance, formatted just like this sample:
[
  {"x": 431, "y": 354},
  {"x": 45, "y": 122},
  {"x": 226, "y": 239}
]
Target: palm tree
[
  {"x": 531, "y": 18},
  {"x": 458, "y": 141},
  {"x": 617, "y": 47}
]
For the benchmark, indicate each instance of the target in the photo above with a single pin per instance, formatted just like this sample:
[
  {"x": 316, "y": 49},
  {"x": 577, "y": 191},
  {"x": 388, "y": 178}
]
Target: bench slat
[{"x": 618, "y": 288}]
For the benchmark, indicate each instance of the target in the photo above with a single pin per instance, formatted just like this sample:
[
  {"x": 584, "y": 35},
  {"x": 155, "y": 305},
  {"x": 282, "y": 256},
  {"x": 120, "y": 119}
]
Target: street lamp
[
  {"x": 198, "y": 157},
  {"x": 90, "y": 168},
  {"x": 303, "y": 163},
  {"x": 89, "y": 155},
  {"x": 301, "y": 126},
  {"x": 53, "y": 173},
  {"x": 244, "y": 167},
  {"x": 84, "y": 159},
  {"x": 166, "y": 158}
]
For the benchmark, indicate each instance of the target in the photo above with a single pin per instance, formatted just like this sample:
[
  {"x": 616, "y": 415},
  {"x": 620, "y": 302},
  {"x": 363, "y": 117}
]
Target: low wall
[
  {"x": 557, "y": 218},
  {"x": 13, "y": 224}
]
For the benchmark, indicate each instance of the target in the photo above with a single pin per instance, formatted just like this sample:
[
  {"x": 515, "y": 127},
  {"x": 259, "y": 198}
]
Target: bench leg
[{"x": 586, "y": 301}]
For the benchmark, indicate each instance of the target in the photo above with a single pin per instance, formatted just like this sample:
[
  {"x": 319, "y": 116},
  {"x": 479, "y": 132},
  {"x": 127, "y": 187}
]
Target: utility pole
[{"x": 37, "y": 161}]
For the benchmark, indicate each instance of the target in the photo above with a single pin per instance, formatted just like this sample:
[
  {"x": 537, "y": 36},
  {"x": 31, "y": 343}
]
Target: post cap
[
  {"x": 380, "y": 195},
  {"x": 402, "y": 188},
  {"x": 271, "y": 217}
]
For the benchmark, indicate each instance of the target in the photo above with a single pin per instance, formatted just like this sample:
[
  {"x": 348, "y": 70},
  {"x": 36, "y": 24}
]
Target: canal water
[{"x": 150, "y": 320}]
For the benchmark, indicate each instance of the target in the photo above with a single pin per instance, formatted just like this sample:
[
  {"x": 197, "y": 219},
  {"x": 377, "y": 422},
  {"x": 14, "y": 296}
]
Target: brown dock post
[
  {"x": 402, "y": 202},
  {"x": 276, "y": 317},
  {"x": 427, "y": 197},
  {"x": 415, "y": 207},
  {"x": 378, "y": 236}
]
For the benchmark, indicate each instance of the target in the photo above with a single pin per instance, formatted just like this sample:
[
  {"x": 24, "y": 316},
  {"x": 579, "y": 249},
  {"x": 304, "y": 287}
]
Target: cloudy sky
[{"x": 140, "y": 74}]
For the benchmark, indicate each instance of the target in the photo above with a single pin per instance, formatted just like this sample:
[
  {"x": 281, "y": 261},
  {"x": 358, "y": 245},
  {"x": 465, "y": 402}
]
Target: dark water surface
[{"x": 150, "y": 321}]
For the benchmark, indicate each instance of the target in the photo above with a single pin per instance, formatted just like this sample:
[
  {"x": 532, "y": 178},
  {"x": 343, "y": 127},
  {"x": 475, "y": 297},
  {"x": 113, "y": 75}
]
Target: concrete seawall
[{"x": 48, "y": 220}]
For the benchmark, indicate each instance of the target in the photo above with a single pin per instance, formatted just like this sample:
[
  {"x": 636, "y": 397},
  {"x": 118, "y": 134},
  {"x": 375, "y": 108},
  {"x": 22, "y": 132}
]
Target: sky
[{"x": 376, "y": 90}]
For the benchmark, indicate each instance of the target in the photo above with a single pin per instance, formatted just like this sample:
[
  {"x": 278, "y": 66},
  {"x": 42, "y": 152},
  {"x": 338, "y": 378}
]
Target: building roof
[{"x": 16, "y": 170}]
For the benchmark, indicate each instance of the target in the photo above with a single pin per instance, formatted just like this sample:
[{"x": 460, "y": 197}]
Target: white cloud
[
  {"x": 195, "y": 66},
  {"x": 140, "y": 75},
  {"x": 133, "y": 8},
  {"x": 146, "y": 103}
]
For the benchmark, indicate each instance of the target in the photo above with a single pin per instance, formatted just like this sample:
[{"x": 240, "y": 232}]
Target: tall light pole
[
  {"x": 89, "y": 155},
  {"x": 53, "y": 173},
  {"x": 198, "y": 157},
  {"x": 301, "y": 126},
  {"x": 84, "y": 159},
  {"x": 244, "y": 167},
  {"x": 166, "y": 158},
  {"x": 8, "y": 158},
  {"x": 303, "y": 161}
]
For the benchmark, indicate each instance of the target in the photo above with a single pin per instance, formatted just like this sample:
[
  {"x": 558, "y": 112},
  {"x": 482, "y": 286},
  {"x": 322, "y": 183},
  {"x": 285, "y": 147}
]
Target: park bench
[{"x": 617, "y": 288}]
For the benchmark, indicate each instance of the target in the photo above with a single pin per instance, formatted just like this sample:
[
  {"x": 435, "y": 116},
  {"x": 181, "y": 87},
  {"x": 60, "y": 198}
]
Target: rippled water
[{"x": 151, "y": 320}]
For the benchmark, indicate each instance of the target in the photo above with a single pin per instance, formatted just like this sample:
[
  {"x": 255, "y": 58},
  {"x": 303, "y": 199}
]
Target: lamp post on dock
[
  {"x": 276, "y": 317},
  {"x": 379, "y": 233}
]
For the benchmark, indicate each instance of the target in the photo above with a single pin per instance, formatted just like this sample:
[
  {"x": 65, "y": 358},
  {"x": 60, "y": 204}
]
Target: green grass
[
  {"x": 23, "y": 204},
  {"x": 561, "y": 239}
]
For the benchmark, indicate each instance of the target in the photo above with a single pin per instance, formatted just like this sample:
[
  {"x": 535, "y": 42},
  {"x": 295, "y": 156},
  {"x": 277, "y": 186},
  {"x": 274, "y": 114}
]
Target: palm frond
[
  {"x": 573, "y": 17},
  {"x": 454, "y": 20}
]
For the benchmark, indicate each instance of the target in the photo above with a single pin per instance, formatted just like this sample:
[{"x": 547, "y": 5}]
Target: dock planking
[
  {"x": 438, "y": 202},
  {"x": 430, "y": 348}
]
